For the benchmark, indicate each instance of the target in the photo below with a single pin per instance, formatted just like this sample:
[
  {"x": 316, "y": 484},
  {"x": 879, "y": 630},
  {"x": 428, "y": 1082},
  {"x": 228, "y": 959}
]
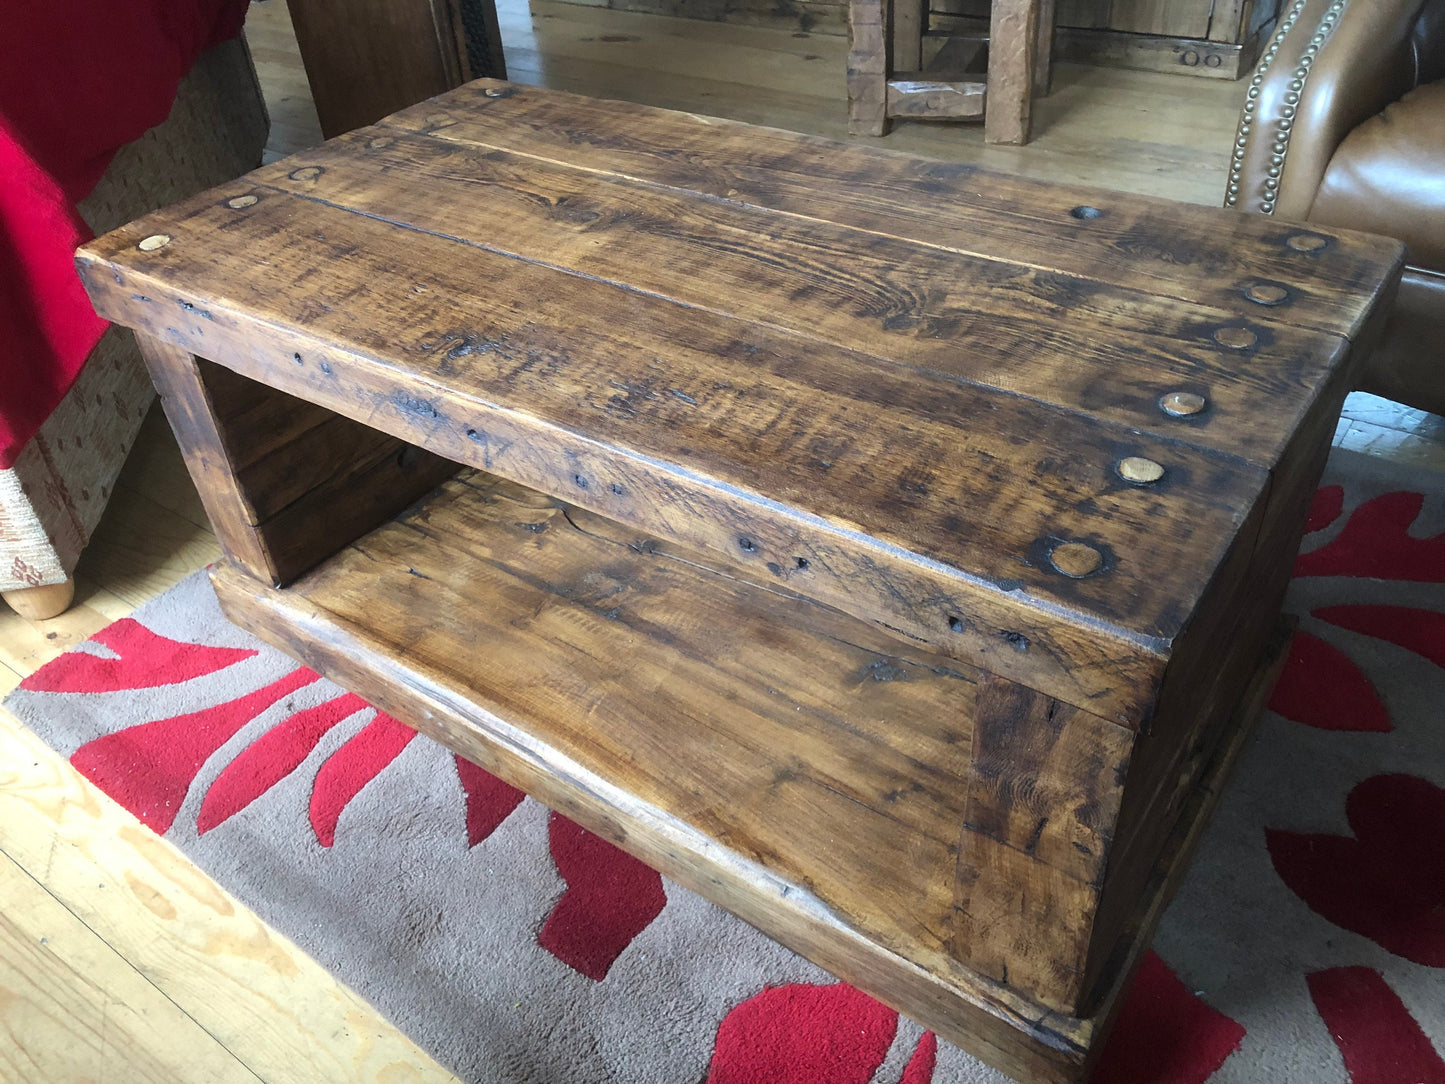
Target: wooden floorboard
[{"x": 131, "y": 928}]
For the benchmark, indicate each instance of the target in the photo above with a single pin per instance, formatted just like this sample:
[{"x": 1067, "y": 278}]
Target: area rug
[{"x": 1307, "y": 945}]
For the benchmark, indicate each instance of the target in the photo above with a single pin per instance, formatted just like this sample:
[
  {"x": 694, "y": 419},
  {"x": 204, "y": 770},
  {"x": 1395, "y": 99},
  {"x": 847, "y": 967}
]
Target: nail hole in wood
[
  {"x": 581, "y": 482},
  {"x": 747, "y": 544},
  {"x": 297, "y": 358},
  {"x": 617, "y": 489},
  {"x": 956, "y": 624},
  {"x": 802, "y": 564},
  {"x": 474, "y": 435},
  {"x": 1016, "y": 640},
  {"x": 1086, "y": 213}
]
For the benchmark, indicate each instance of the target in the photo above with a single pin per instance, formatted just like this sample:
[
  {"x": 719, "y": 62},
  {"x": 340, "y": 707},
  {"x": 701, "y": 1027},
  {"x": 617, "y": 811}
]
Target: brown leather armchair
[{"x": 1344, "y": 125}]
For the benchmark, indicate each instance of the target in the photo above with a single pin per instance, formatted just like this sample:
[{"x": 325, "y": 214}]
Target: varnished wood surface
[
  {"x": 702, "y": 738},
  {"x": 1136, "y": 131},
  {"x": 745, "y": 319}
]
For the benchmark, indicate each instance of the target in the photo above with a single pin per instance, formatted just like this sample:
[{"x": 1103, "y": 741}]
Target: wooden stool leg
[
  {"x": 41, "y": 603},
  {"x": 1044, "y": 54},
  {"x": 908, "y": 20},
  {"x": 868, "y": 67},
  {"x": 1012, "y": 52}
]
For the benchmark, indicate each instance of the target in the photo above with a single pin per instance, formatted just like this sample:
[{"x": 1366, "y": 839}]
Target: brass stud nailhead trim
[
  {"x": 1076, "y": 559},
  {"x": 1267, "y": 293},
  {"x": 1307, "y": 242},
  {"x": 1181, "y": 404},
  {"x": 241, "y": 202},
  {"x": 154, "y": 241},
  {"x": 1236, "y": 338},
  {"x": 1139, "y": 471}
]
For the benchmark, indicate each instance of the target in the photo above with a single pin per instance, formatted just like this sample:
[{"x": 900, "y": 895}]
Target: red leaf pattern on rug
[
  {"x": 919, "y": 1069},
  {"x": 1325, "y": 508},
  {"x": 145, "y": 660},
  {"x": 1420, "y": 631},
  {"x": 1386, "y": 883},
  {"x": 271, "y": 758},
  {"x": 150, "y": 768},
  {"x": 805, "y": 1034},
  {"x": 1322, "y": 687},
  {"x": 355, "y": 764},
  {"x": 489, "y": 800},
  {"x": 1378, "y": 1038},
  {"x": 1375, "y": 543},
  {"x": 1164, "y": 1034},
  {"x": 611, "y": 897}
]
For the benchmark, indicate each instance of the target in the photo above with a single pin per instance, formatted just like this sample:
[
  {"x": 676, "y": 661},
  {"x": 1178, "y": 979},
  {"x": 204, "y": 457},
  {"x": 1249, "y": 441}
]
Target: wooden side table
[
  {"x": 886, "y": 53},
  {"x": 887, "y": 550}
]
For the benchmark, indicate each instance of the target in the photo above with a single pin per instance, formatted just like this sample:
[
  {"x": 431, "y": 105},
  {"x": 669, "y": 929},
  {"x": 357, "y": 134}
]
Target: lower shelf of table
[{"x": 796, "y": 766}]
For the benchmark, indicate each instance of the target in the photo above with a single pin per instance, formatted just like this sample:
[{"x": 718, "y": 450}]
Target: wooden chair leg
[
  {"x": 1012, "y": 54},
  {"x": 1044, "y": 53},
  {"x": 44, "y": 602},
  {"x": 868, "y": 67},
  {"x": 908, "y": 22}
]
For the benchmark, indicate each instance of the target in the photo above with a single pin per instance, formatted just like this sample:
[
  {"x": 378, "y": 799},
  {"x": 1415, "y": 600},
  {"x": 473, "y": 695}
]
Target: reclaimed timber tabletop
[{"x": 1023, "y": 424}]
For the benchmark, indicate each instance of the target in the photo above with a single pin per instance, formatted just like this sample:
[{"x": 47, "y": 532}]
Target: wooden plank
[
  {"x": 767, "y": 787},
  {"x": 1039, "y": 335},
  {"x": 917, "y": 96},
  {"x": 193, "y": 417},
  {"x": 293, "y": 495},
  {"x": 1201, "y": 255},
  {"x": 724, "y": 436},
  {"x": 868, "y": 66},
  {"x": 909, "y": 17},
  {"x": 71, "y": 1009},
  {"x": 1012, "y": 52},
  {"x": 1044, "y": 48},
  {"x": 194, "y": 942},
  {"x": 1044, "y": 788}
]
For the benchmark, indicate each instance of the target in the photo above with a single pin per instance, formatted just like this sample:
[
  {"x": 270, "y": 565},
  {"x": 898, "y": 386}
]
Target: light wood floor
[{"x": 119, "y": 960}]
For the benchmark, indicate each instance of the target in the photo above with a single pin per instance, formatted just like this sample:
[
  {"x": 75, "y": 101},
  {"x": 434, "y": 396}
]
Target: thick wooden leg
[
  {"x": 907, "y": 37},
  {"x": 868, "y": 67},
  {"x": 285, "y": 483},
  {"x": 1012, "y": 54},
  {"x": 41, "y": 603},
  {"x": 1044, "y": 49}
]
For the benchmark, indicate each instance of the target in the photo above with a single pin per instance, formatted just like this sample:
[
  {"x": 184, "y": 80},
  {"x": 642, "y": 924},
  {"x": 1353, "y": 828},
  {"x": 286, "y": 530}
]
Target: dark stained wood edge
[
  {"x": 195, "y": 421},
  {"x": 1173, "y": 862},
  {"x": 1044, "y": 789},
  {"x": 991, "y": 1022},
  {"x": 347, "y": 496}
]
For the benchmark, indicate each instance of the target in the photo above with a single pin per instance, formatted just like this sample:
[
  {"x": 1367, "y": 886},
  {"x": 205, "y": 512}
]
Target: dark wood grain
[
  {"x": 1200, "y": 255},
  {"x": 914, "y": 538},
  {"x": 684, "y": 410},
  {"x": 788, "y": 793}
]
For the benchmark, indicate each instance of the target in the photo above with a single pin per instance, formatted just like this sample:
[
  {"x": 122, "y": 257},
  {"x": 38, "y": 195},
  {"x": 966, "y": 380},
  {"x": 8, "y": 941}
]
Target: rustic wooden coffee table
[{"x": 888, "y": 550}]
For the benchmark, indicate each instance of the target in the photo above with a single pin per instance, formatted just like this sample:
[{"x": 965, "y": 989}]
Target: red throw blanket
[{"x": 78, "y": 80}]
